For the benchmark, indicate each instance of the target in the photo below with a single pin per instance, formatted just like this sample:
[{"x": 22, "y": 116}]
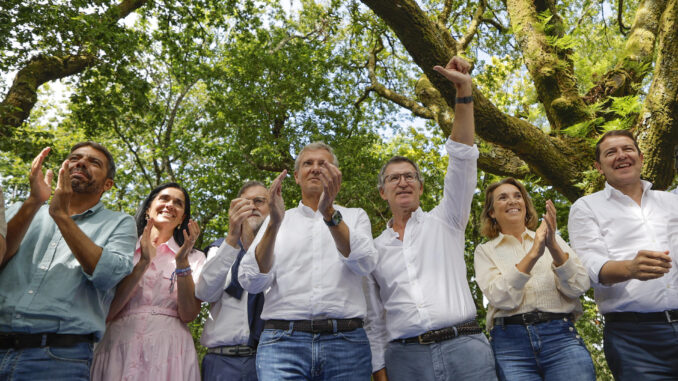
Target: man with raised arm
[
  {"x": 310, "y": 261},
  {"x": 627, "y": 237},
  {"x": 234, "y": 324},
  {"x": 421, "y": 315},
  {"x": 62, "y": 263}
]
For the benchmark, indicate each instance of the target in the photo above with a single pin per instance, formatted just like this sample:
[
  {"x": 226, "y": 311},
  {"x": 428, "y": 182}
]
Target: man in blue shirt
[{"x": 62, "y": 262}]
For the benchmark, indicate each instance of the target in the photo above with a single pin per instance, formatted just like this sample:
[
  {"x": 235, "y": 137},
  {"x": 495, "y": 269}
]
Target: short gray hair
[
  {"x": 250, "y": 184},
  {"x": 394, "y": 160},
  {"x": 313, "y": 147}
]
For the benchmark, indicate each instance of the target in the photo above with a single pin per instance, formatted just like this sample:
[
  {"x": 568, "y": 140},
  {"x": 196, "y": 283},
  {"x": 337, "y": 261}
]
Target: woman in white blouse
[{"x": 532, "y": 280}]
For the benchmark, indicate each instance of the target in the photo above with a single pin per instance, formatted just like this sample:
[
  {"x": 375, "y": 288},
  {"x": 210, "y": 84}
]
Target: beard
[
  {"x": 255, "y": 222},
  {"x": 87, "y": 185}
]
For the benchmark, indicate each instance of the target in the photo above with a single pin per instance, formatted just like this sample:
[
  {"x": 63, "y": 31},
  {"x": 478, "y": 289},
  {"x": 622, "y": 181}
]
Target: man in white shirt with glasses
[
  {"x": 310, "y": 261},
  {"x": 421, "y": 320}
]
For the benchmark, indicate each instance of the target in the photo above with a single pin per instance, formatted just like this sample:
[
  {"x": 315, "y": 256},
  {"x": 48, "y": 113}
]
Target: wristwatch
[{"x": 335, "y": 220}]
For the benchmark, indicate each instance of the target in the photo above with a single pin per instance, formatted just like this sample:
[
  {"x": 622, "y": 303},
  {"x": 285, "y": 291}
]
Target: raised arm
[
  {"x": 213, "y": 277},
  {"x": 331, "y": 178},
  {"x": 264, "y": 250},
  {"x": 457, "y": 71},
  {"x": 188, "y": 304},
  {"x": 41, "y": 189}
]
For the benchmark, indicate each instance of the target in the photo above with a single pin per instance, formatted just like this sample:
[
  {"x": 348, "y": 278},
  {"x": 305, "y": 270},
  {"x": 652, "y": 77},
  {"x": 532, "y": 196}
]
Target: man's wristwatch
[{"x": 335, "y": 220}]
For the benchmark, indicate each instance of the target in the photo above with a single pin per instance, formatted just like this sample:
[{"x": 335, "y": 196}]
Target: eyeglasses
[
  {"x": 394, "y": 178},
  {"x": 258, "y": 201}
]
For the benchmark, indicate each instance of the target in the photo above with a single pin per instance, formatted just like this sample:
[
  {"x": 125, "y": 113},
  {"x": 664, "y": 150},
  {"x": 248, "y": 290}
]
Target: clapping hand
[
  {"x": 41, "y": 184},
  {"x": 330, "y": 176},
  {"x": 190, "y": 236},
  {"x": 276, "y": 204}
]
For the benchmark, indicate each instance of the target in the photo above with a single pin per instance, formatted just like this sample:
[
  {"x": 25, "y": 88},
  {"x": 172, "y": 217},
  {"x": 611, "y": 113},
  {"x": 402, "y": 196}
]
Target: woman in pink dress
[{"x": 146, "y": 337}]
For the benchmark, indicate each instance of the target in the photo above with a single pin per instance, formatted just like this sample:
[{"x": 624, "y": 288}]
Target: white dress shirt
[
  {"x": 227, "y": 322},
  {"x": 609, "y": 225},
  {"x": 420, "y": 283},
  {"x": 546, "y": 288},
  {"x": 310, "y": 279}
]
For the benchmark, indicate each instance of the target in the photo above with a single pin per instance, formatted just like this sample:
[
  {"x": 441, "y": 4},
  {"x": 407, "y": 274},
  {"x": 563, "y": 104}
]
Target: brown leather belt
[
  {"x": 316, "y": 326},
  {"x": 37, "y": 340},
  {"x": 669, "y": 316},
  {"x": 534, "y": 317},
  {"x": 466, "y": 328}
]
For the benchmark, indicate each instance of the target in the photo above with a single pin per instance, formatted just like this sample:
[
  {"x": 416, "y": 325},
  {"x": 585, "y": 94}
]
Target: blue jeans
[
  {"x": 552, "y": 350},
  {"x": 461, "y": 358},
  {"x": 293, "y": 355},
  {"x": 46, "y": 363},
  {"x": 642, "y": 351},
  {"x": 228, "y": 368}
]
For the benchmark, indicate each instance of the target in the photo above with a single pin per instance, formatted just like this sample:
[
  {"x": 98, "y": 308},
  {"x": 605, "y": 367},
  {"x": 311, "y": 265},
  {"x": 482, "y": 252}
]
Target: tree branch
[
  {"x": 620, "y": 18},
  {"x": 473, "y": 27},
  {"x": 558, "y": 160},
  {"x": 391, "y": 95},
  {"x": 22, "y": 95},
  {"x": 628, "y": 74},
  {"x": 550, "y": 66},
  {"x": 445, "y": 14},
  {"x": 657, "y": 128},
  {"x": 137, "y": 159}
]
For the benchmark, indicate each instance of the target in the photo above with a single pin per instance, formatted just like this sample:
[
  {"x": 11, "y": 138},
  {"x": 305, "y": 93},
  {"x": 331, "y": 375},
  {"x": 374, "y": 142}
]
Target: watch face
[{"x": 336, "y": 217}]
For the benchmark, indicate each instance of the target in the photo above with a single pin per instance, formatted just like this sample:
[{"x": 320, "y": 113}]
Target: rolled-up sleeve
[
  {"x": 362, "y": 258},
  {"x": 212, "y": 281},
  {"x": 503, "y": 290},
  {"x": 573, "y": 279},
  {"x": 587, "y": 240},
  {"x": 116, "y": 261},
  {"x": 375, "y": 324}
]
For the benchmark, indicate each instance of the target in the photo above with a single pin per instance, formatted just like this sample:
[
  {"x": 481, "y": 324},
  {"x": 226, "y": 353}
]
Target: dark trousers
[
  {"x": 217, "y": 367},
  {"x": 642, "y": 351}
]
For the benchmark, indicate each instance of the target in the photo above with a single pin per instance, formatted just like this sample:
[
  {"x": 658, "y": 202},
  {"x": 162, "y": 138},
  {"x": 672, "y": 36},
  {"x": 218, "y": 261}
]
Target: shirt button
[
  {"x": 43, "y": 267},
  {"x": 52, "y": 244},
  {"x": 18, "y": 316},
  {"x": 30, "y": 291}
]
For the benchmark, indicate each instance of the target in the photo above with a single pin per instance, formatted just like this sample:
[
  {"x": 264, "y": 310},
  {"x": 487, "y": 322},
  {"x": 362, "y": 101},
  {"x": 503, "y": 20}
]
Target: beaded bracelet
[{"x": 177, "y": 273}]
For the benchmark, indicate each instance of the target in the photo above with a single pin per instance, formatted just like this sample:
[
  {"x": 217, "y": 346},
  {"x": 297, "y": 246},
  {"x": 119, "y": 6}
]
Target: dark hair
[
  {"x": 626, "y": 133},
  {"x": 250, "y": 184},
  {"x": 110, "y": 172},
  {"x": 394, "y": 160},
  {"x": 488, "y": 225},
  {"x": 140, "y": 216}
]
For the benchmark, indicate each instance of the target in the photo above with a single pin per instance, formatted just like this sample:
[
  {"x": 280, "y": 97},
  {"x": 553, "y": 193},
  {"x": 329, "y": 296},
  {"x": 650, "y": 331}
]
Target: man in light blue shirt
[{"x": 62, "y": 262}]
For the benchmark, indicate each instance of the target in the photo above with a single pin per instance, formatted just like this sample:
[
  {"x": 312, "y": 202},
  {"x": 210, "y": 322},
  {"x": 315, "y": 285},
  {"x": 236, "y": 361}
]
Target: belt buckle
[
  {"x": 669, "y": 317},
  {"x": 423, "y": 341}
]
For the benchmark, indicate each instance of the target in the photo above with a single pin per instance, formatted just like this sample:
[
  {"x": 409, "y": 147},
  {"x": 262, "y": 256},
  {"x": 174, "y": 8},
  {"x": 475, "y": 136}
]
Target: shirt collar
[
  {"x": 171, "y": 244},
  {"x": 417, "y": 215},
  {"x": 501, "y": 237},
  {"x": 89, "y": 211},
  {"x": 306, "y": 210},
  {"x": 612, "y": 191}
]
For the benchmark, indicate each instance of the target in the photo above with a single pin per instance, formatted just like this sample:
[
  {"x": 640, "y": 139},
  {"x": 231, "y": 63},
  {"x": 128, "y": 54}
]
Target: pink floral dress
[{"x": 147, "y": 341}]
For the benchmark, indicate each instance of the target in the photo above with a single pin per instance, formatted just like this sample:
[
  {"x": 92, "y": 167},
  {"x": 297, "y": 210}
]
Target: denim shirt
[{"x": 43, "y": 288}]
